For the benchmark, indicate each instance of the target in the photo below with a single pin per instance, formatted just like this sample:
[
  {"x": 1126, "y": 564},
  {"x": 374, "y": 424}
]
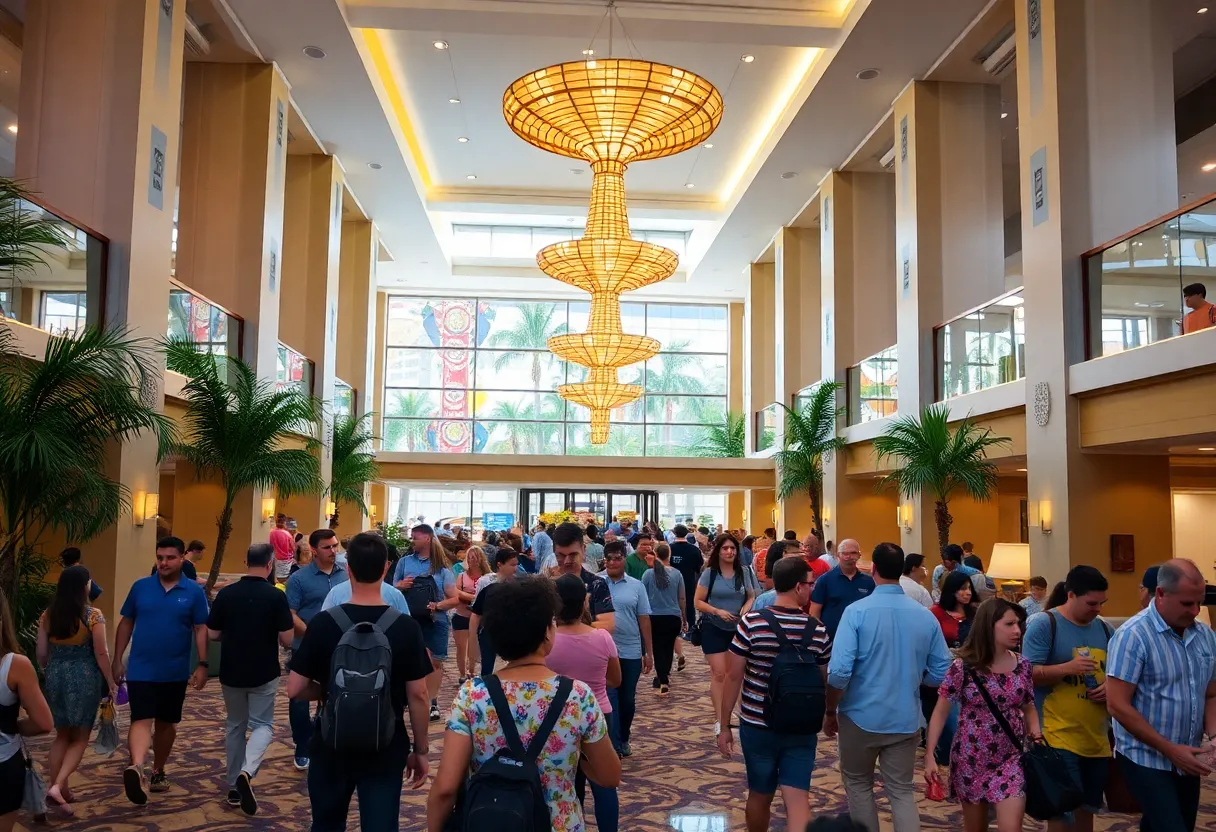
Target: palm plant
[
  {"x": 59, "y": 420},
  {"x": 235, "y": 428},
  {"x": 675, "y": 373},
  {"x": 726, "y": 439},
  {"x": 810, "y": 438},
  {"x": 536, "y": 326},
  {"x": 934, "y": 459},
  {"x": 353, "y": 465},
  {"x": 406, "y": 420},
  {"x": 24, "y": 233}
]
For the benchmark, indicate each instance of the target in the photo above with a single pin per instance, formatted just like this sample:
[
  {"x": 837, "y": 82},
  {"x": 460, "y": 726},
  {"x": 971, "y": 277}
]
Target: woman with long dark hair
[
  {"x": 985, "y": 763},
  {"x": 72, "y": 649},
  {"x": 665, "y": 589},
  {"x": 725, "y": 591},
  {"x": 955, "y": 609},
  {"x": 18, "y": 689}
]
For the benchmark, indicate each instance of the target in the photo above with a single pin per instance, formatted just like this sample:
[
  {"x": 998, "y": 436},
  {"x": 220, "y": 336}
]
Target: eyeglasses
[{"x": 613, "y": 557}]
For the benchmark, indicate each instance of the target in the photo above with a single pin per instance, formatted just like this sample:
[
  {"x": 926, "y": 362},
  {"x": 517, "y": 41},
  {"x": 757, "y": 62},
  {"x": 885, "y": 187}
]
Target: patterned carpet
[{"x": 675, "y": 780}]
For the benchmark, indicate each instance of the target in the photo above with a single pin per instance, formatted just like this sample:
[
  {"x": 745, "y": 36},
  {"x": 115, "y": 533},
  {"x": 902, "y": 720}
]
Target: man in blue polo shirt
[
  {"x": 161, "y": 614},
  {"x": 631, "y": 606},
  {"x": 306, "y": 591},
  {"x": 426, "y": 558},
  {"x": 840, "y": 587}
]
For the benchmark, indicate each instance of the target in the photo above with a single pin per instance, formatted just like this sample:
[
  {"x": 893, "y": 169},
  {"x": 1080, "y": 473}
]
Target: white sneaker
[{"x": 717, "y": 729}]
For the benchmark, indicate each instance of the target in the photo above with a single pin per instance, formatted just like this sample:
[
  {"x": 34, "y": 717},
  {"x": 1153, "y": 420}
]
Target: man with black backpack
[
  {"x": 363, "y": 660},
  {"x": 779, "y": 658}
]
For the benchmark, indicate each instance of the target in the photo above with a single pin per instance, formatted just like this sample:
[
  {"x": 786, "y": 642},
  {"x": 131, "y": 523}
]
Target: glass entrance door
[{"x": 598, "y": 506}]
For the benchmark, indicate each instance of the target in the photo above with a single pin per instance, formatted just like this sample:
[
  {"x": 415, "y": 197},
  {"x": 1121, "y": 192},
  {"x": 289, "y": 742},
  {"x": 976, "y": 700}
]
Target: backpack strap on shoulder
[
  {"x": 340, "y": 618},
  {"x": 558, "y": 704},
  {"x": 506, "y": 718},
  {"x": 782, "y": 639},
  {"x": 387, "y": 619}
]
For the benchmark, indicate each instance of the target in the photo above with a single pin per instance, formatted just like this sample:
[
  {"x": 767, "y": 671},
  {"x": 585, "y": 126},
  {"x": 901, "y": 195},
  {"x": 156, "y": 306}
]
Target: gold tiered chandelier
[{"x": 609, "y": 113}]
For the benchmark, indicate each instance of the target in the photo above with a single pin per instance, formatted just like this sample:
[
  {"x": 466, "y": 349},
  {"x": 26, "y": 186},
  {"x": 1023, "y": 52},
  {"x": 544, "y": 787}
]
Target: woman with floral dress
[
  {"x": 985, "y": 765},
  {"x": 72, "y": 648},
  {"x": 521, "y": 617}
]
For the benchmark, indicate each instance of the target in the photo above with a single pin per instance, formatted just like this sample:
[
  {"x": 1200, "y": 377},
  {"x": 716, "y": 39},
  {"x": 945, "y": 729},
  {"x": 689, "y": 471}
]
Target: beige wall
[
  {"x": 863, "y": 514},
  {"x": 873, "y": 266}
]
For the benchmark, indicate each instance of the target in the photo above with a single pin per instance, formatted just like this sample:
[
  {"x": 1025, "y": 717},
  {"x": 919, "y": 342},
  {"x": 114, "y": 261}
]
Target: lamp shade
[{"x": 1009, "y": 560}]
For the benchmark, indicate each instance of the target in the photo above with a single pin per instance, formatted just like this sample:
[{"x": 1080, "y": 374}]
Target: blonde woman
[{"x": 475, "y": 566}]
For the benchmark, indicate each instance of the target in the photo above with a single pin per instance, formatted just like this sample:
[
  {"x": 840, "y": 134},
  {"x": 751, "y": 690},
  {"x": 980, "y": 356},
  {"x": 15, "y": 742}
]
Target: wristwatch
[{"x": 204, "y": 664}]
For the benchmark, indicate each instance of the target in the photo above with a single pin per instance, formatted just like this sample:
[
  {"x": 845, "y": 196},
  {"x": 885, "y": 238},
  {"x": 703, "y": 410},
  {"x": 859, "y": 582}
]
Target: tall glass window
[
  {"x": 475, "y": 376},
  {"x": 64, "y": 313},
  {"x": 344, "y": 398}
]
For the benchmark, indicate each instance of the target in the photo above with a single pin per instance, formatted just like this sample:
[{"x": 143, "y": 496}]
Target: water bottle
[{"x": 1091, "y": 681}]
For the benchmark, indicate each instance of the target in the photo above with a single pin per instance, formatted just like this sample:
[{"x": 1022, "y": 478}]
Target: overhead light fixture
[
  {"x": 790, "y": 174},
  {"x": 471, "y": 176},
  {"x": 12, "y": 128},
  {"x": 440, "y": 44},
  {"x": 689, "y": 185},
  {"x": 1206, "y": 168},
  {"x": 1203, "y": 10},
  {"x": 314, "y": 52},
  {"x": 588, "y": 51},
  {"x": 453, "y": 100},
  {"x": 374, "y": 165},
  {"x": 708, "y": 145},
  {"x": 1207, "y": 449},
  {"x": 1004, "y": 115},
  {"x": 747, "y": 59},
  {"x": 463, "y": 139},
  {"x": 655, "y": 110},
  {"x": 868, "y": 74}
]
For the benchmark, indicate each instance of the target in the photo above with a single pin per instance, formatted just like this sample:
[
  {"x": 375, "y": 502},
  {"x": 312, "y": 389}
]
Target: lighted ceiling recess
[{"x": 609, "y": 112}]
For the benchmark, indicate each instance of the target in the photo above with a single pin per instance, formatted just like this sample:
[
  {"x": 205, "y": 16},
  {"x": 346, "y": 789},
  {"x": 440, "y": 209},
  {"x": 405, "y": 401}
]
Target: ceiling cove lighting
[
  {"x": 462, "y": 139},
  {"x": 440, "y": 44},
  {"x": 1206, "y": 168},
  {"x": 610, "y": 113},
  {"x": 453, "y": 100}
]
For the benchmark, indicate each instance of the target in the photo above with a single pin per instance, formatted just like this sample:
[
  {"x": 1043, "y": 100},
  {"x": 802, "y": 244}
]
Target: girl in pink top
[
  {"x": 475, "y": 565},
  {"x": 582, "y": 652}
]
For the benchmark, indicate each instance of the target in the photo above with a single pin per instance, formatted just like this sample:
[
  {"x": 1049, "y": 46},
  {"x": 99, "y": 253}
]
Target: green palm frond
[
  {"x": 727, "y": 439},
  {"x": 25, "y": 233},
  {"x": 810, "y": 437},
  {"x": 353, "y": 463}
]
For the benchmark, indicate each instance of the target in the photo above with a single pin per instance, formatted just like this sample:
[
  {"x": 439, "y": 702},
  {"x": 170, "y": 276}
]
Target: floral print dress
[
  {"x": 581, "y": 721},
  {"x": 984, "y": 764}
]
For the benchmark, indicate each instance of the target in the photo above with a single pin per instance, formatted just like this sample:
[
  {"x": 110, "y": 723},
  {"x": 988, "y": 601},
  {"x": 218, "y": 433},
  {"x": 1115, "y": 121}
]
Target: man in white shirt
[{"x": 912, "y": 581}]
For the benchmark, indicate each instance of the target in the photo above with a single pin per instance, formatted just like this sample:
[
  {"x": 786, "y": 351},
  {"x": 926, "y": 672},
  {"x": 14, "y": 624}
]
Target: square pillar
[{"x": 759, "y": 347}]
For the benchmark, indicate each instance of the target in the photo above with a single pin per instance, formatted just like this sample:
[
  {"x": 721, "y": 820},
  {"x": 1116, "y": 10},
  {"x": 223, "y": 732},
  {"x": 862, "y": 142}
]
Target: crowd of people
[{"x": 553, "y": 632}]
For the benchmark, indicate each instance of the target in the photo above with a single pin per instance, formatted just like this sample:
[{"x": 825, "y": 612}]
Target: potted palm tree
[
  {"x": 353, "y": 463},
  {"x": 58, "y": 420},
  {"x": 726, "y": 439},
  {"x": 235, "y": 429},
  {"x": 810, "y": 438},
  {"x": 930, "y": 458}
]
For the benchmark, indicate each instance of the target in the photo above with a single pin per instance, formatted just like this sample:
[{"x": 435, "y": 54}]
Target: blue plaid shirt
[{"x": 1171, "y": 674}]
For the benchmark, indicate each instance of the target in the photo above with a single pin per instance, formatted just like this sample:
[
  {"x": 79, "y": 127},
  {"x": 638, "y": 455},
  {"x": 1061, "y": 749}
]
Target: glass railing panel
[
  {"x": 344, "y": 398},
  {"x": 982, "y": 349},
  {"x": 873, "y": 387},
  {"x": 210, "y": 327},
  {"x": 1137, "y": 285},
  {"x": 766, "y": 427},
  {"x": 294, "y": 370},
  {"x": 58, "y": 287}
]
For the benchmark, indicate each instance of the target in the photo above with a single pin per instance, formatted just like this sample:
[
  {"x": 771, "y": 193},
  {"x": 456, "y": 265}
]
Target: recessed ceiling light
[
  {"x": 1004, "y": 115},
  {"x": 747, "y": 59},
  {"x": 440, "y": 44},
  {"x": 1207, "y": 449},
  {"x": 374, "y": 165},
  {"x": 868, "y": 74},
  {"x": 689, "y": 185},
  {"x": 789, "y": 174},
  {"x": 1206, "y": 168},
  {"x": 471, "y": 176},
  {"x": 314, "y": 52},
  {"x": 1203, "y": 10},
  {"x": 576, "y": 172},
  {"x": 453, "y": 100},
  {"x": 709, "y": 145},
  {"x": 12, "y": 128},
  {"x": 588, "y": 51},
  {"x": 463, "y": 139}
]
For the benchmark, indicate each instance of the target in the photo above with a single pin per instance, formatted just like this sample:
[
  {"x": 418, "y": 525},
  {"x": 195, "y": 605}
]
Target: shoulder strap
[
  {"x": 713, "y": 576},
  {"x": 506, "y": 718},
  {"x": 1051, "y": 645},
  {"x": 386, "y": 619},
  {"x": 992, "y": 708},
  {"x": 1107, "y": 628},
  {"x": 558, "y": 704},
  {"x": 783, "y": 640},
  {"x": 340, "y": 618}
]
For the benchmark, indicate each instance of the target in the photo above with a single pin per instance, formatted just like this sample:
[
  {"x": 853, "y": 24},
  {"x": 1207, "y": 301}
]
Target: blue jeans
[
  {"x": 624, "y": 702},
  {"x": 1170, "y": 801},
  {"x": 300, "y": 715},
  {"x": 333, "y": 778},
  {"x": 607, "y": 803}
]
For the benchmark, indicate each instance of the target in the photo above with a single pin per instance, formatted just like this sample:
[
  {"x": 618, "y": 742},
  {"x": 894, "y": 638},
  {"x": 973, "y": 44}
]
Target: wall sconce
[
  {"x": 1045, "y": 516},
  {"x": 267, "y": 509},
  {"x": 827, "y": 515},
  {"x": 144, "y": 505},
  {"x": 371, "y": 511},
  {"x": 744, "y": 515},
  {"x": 331, "y": 508},
  {"x": 904, "y": 516}
]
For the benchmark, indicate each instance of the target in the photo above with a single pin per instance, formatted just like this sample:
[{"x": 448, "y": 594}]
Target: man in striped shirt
[
  {"x": 772, "y": 759},
  {"x": 1161, "y": 690}
]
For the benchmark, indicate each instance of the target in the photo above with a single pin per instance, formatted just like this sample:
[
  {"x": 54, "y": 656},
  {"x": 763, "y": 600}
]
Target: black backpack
[
  {"x": 796, "y": 697},
  {"x": 357, "y": 717},
  {"x": 424, "y": 591},
  {"x": 505, "y": 793}
]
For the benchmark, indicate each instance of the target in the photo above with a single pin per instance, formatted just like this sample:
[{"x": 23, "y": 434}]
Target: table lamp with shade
[{"x": 1010, "y": 561}]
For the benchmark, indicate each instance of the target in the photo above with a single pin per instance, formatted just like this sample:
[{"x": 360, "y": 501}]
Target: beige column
[
  {"x": 377, "y": 391},
  {"x": 736, "y": 501},
  {"x": 1094, "y": 96},
  {"x": 949, "y": 234},
  {"x": 308, "y": 302},
  {"x": 356, "y": 328},
  {"x": 759, "y": 349},
  {"x": 99, "y": 113}
]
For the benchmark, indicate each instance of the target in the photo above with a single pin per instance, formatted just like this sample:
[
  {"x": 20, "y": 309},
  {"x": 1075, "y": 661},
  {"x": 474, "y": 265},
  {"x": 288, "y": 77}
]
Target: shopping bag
[
  {"x": 107, "y": 732},
  {"x": 934, "y": 791},
  {"x": 33, "y": 799},
  {"x": 121, "y": 698}
]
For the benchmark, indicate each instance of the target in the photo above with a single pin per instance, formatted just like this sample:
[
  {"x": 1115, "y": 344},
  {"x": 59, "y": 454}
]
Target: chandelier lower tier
[{"x": 609, "y": 113}]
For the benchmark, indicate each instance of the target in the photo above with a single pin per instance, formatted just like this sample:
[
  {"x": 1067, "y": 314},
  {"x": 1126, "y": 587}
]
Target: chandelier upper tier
[{"x": 609, "y": 112}]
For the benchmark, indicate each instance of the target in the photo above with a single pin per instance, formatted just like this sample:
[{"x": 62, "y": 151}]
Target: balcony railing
[
  {"x": 65, "y": 292},
  {"x": 211, "y": 328},
  {"x": 344, "y": 398},
  {"x": 873, "y": 387},
  {"x": 294, "y": 370},
  {"x": 766, "y": 427},
  {"x": 982, "y": 348},
  {"x": 1135, "y": 285}
]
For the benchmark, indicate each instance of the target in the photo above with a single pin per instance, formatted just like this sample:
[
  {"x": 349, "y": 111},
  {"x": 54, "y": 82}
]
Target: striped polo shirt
[{"x": 756, "y": 642}]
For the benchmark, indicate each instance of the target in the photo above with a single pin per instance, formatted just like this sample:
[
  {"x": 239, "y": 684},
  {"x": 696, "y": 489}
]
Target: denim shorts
[
  {"x": 436, "y": 637},
  {"x": 1090, "y": 773},
  {"x": 773, "y": 759}
]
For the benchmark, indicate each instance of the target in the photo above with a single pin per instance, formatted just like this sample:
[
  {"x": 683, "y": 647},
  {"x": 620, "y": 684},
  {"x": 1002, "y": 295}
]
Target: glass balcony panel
[
  {"x": 982, "y": 349},
  {"x": 873, "y": 387},
  {"x": 766, "y": 427},
  {"x": 209, "y": 327}
]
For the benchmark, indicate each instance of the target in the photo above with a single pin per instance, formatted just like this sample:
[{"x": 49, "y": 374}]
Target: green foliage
[
  {"x": 810, "y": 437},
  {"x": 931, "y": 459},
  {"x": 235, "y": 429},
  {"x": 59, "y": 420},
  {"x": 728, "y": 439},
  {"x": 24, "y": 233},
  {"x": 353, "y": 462},
  {"x": 396, "y": 534},
  {"x": 402, "y": 435}
]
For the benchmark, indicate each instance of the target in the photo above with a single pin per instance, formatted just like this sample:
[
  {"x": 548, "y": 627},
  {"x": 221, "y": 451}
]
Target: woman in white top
[
  {"x": 18, "y": 689},
  {"x": 912, "y": 581}
]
